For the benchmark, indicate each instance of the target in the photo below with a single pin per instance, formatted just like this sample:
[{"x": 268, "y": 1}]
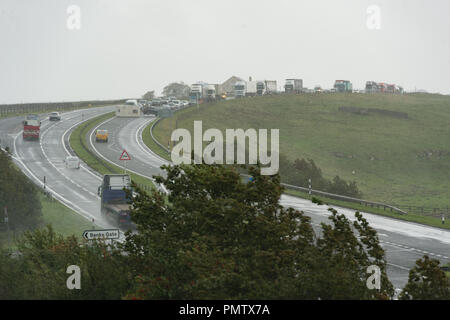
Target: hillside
[{"x": 394, "y": 158}]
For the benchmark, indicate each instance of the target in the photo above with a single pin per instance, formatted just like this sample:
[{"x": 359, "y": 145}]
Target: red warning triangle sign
[{"x": 125, "y": 156}]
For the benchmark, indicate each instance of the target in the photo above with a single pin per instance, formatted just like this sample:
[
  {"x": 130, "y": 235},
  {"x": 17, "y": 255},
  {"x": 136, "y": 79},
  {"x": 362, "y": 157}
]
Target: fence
[
  {"x": 426, "y": 211},
  {"x": 145, "y": 187}
]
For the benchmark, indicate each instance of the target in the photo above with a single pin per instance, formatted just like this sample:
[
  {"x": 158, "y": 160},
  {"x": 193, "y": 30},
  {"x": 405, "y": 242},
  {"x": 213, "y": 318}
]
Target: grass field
[
  {"x": 147, "y": 139},
  {"x": 395, "y": 161},
  {"x": 79, "y": 143},
  {"x": 64, "y": 220}
]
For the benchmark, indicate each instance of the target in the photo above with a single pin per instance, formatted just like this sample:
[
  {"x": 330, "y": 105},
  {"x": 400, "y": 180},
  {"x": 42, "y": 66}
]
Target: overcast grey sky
[{"x": 126, "y": 47}]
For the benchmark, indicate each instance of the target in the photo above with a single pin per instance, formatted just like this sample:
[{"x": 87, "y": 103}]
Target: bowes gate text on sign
[{"x": 101, "y": 234}]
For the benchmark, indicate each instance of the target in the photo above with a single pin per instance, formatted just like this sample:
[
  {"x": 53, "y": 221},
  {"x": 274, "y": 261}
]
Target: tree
[
  {"x": 19, "y": 195},
  {"x": 176, "y": 89},
  {"x": 38, "y": 269},
  {"x": 149, "y": 95},
  {"x": 218, "y": 237},
  {"x": 301, "y": 170},
  {"x": 426, "y": 282}
]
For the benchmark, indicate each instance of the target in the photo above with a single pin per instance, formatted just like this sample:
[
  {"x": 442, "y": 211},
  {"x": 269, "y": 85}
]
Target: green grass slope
[{"x": 399, "y": 161}]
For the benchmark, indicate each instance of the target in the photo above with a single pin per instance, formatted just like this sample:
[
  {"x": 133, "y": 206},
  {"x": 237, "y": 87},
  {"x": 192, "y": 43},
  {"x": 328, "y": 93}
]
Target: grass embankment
[
  {"x": 63, "y": 220},
  {"x": 328, "y": 201},
  {"x": 320, "y": 113},
  {"x": 147, "y": 138},
  {"x": 79, "y": 140},
  {"x": 393, "y": 160}
]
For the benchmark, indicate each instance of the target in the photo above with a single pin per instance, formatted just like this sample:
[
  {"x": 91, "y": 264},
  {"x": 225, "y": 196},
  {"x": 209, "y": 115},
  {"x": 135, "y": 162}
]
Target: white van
[{"x": 72, "y": 162}]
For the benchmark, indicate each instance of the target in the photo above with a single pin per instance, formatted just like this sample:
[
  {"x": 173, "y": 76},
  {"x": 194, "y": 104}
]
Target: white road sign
[{"x": 101, "y": 234}]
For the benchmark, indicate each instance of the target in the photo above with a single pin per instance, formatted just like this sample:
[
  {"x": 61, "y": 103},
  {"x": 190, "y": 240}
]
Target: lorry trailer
[
  {"x": 31, "y": 127},
  {"x": 343, "y": 86},
  {"x": 115, "y": 206},
  {"x": 196, "y": 93},
  {"x": 293, "y": 86},
  {"x": 240, "y": 89}
]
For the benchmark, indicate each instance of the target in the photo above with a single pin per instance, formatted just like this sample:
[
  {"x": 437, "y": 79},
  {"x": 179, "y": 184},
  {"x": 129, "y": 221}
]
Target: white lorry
[
  {"x": 240, "y": 89},
  {"x": 196, "y": 93},
  {"x": 209, "y": 92},
  {"x": 266, "y": 87},
  {"x": 271, "y": 86},
  {"x": 293, "y": 86},
  {"x": 251, "y": 88}
]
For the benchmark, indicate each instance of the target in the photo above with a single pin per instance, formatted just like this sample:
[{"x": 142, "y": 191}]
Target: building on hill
[{"x": 228, "y": 86}]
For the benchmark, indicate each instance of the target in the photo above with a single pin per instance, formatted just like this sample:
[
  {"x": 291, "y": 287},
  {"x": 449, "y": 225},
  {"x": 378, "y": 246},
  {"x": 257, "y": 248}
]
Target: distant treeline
[{"x": 42, "y": 106}]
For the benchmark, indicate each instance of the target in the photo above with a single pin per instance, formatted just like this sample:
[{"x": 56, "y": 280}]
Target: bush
[{"x": 300, "y": 171}]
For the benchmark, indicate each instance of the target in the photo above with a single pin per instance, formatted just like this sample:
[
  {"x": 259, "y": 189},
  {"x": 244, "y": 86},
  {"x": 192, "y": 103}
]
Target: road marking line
[
  {"x": 397, "y": 266},
  {"x": 51, "y": 163},
  {"x": 144, "y": 146},
  {"x": 64, "y": 145}
]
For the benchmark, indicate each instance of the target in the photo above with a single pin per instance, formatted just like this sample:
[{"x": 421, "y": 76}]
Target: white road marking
[
  {"x": 67, "y": 151},
  {"x": 397, "y": 266},
  {"x": 60, "y": 171},
  {"x": 413, "y": 250}
]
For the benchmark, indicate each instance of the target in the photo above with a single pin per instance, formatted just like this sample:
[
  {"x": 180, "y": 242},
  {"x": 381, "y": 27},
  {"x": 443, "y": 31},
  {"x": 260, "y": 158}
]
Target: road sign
[
  {"x": 125, "y": 156},
  {"x": 101, "y": 234}
]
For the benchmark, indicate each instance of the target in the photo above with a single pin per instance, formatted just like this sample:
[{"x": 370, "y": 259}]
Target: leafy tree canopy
[
  {"x": 218, "y": 237},
  {"x": 19, "y": 195},
  {"x": 426, "y": 282}
]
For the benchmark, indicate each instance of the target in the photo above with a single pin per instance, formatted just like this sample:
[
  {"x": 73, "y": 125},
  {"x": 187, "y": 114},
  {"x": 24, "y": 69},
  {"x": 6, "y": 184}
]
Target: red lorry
[{"x": 31, "y": 127}]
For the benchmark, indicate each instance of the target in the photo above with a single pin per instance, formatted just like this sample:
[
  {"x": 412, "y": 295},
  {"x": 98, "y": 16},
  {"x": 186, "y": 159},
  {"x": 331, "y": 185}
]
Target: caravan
[{"x": 131, "y": 108}]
